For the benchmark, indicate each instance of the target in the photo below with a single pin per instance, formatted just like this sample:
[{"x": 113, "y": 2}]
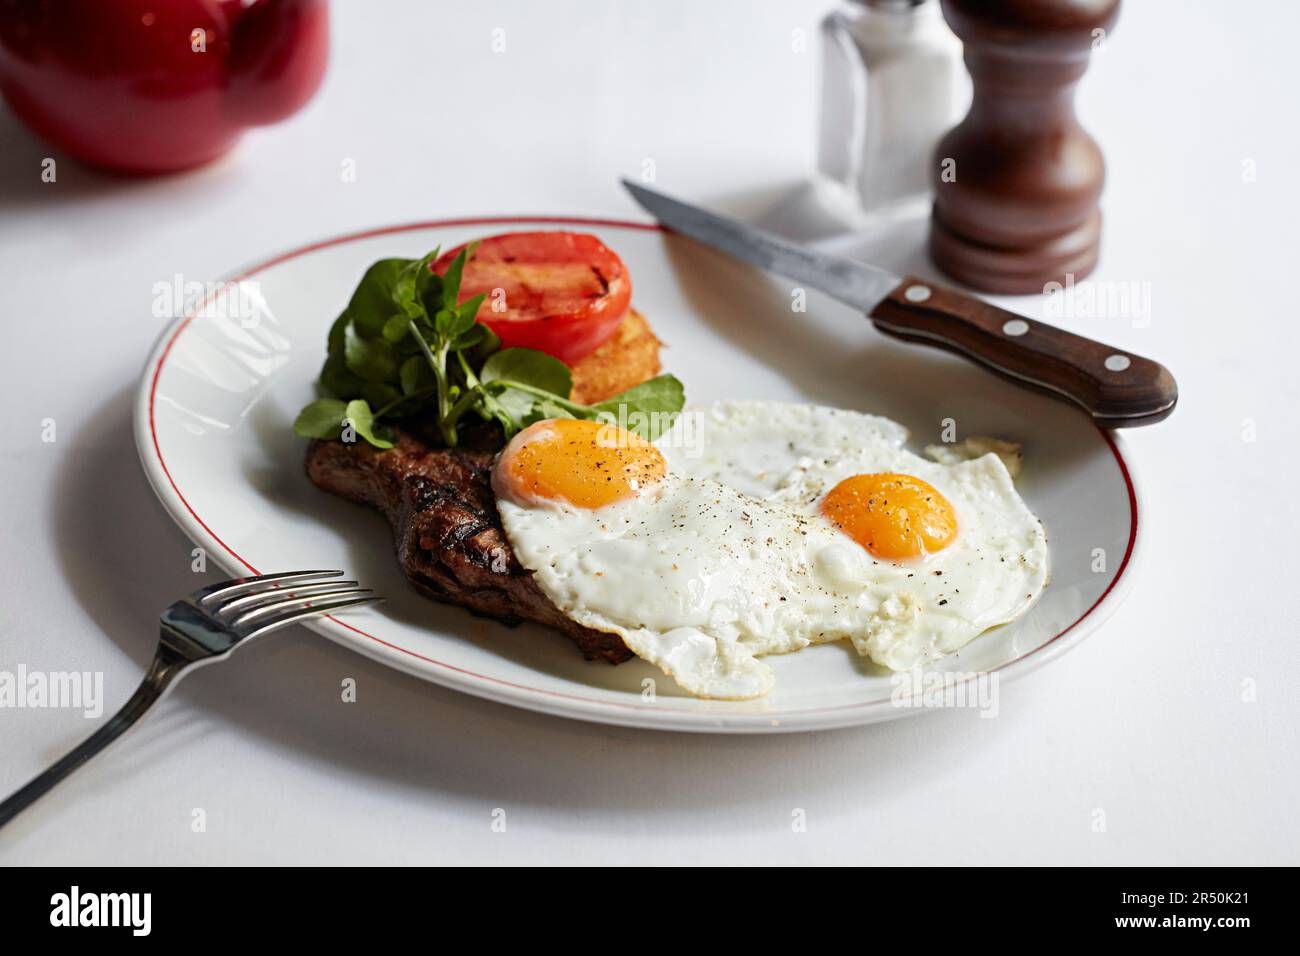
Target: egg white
[{"x": 728, "y": 558}]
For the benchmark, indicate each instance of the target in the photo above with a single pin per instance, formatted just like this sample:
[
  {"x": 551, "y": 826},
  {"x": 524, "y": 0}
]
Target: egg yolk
[
  {"x": 588, "y": 464},
  {"x": 892, "y": 516}
]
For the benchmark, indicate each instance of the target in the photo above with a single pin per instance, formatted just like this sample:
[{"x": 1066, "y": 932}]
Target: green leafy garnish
[
  {"x": 405, "y": 347},
  {"x": 662, "y": 395},
  {"x": 323, "y": 418},
  {"x": 360, "y": 418},
  {"x": 331, "y": 418}
]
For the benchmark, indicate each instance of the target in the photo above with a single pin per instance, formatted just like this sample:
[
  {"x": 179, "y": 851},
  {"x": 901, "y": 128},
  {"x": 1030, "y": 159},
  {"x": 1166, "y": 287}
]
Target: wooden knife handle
[{"x": 1119, "y": 389}]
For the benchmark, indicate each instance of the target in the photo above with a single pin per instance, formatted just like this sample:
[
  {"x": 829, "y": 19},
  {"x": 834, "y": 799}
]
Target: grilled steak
[{"x": 449, "y": 539}]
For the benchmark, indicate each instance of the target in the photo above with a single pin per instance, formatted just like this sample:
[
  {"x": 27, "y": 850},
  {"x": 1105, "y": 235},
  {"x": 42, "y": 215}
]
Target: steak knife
[{"x": 1117, "y": 388}]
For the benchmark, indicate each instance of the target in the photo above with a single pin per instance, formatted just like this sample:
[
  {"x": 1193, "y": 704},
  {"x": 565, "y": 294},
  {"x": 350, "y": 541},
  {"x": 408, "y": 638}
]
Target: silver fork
[{"x": 204, "y": 627}]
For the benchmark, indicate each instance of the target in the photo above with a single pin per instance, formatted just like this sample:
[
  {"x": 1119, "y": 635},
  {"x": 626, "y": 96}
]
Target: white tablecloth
[{"x": 1177, "y": 721}]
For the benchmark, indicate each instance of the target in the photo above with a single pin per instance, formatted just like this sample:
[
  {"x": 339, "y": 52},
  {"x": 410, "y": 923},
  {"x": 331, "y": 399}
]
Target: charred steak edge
[{"x": 447, "y": 532}]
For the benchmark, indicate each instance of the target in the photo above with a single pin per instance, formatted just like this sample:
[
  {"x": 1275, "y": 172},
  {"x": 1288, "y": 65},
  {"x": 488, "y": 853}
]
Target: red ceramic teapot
[{"x": 148, "y": 86}]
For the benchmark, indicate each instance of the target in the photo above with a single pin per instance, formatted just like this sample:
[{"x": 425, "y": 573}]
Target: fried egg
[{"x": 755, "y": 528}]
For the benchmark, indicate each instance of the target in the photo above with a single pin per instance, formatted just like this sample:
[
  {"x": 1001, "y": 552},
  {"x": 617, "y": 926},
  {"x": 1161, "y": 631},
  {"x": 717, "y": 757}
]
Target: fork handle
[{"x": 145, "y": 696}]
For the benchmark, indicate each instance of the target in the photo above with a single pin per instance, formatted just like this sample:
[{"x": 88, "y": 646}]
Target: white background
[{"x": 1145, "y": 722}]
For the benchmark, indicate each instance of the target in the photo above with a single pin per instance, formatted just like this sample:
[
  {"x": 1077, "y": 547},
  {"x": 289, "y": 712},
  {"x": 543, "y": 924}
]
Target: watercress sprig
[{"x": 403, "y": 347}]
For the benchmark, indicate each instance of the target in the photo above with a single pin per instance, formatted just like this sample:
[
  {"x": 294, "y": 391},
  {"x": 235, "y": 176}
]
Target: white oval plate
[{"x": 212, "y": 424}]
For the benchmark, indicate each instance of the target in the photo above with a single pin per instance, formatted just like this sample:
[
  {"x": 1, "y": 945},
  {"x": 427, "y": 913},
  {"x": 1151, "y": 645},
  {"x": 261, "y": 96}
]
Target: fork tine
[
  {"x": 270, "y": 611},
  {"x": 311, "y": 611},
  {"x": 239, "y": 585},
  {"x": 257, "y": 598}
]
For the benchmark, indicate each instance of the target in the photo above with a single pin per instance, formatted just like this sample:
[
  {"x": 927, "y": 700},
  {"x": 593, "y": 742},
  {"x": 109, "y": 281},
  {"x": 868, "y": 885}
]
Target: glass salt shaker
[{"x": 892, "y": 85}]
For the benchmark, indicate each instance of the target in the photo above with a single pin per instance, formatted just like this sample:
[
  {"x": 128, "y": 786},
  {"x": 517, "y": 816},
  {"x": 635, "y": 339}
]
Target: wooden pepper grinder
[{"x": 1017, "y": 181}]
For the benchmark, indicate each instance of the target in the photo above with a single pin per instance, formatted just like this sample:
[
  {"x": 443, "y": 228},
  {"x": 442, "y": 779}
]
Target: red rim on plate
[{"x": 557, "y": 221}]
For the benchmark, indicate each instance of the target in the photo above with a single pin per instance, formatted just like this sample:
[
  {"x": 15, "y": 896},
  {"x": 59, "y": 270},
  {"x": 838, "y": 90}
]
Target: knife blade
[
  {"x": 1118, "y": 388},
  {"x": 854, "y": 283}
]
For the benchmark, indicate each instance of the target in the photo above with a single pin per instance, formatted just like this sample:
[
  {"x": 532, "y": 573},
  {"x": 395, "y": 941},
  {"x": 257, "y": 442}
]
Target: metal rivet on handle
[
  {"x": 1015, "y": 327},
  {"x": 1117, "y": 363},
  {"x": 917, "y": 293}
]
